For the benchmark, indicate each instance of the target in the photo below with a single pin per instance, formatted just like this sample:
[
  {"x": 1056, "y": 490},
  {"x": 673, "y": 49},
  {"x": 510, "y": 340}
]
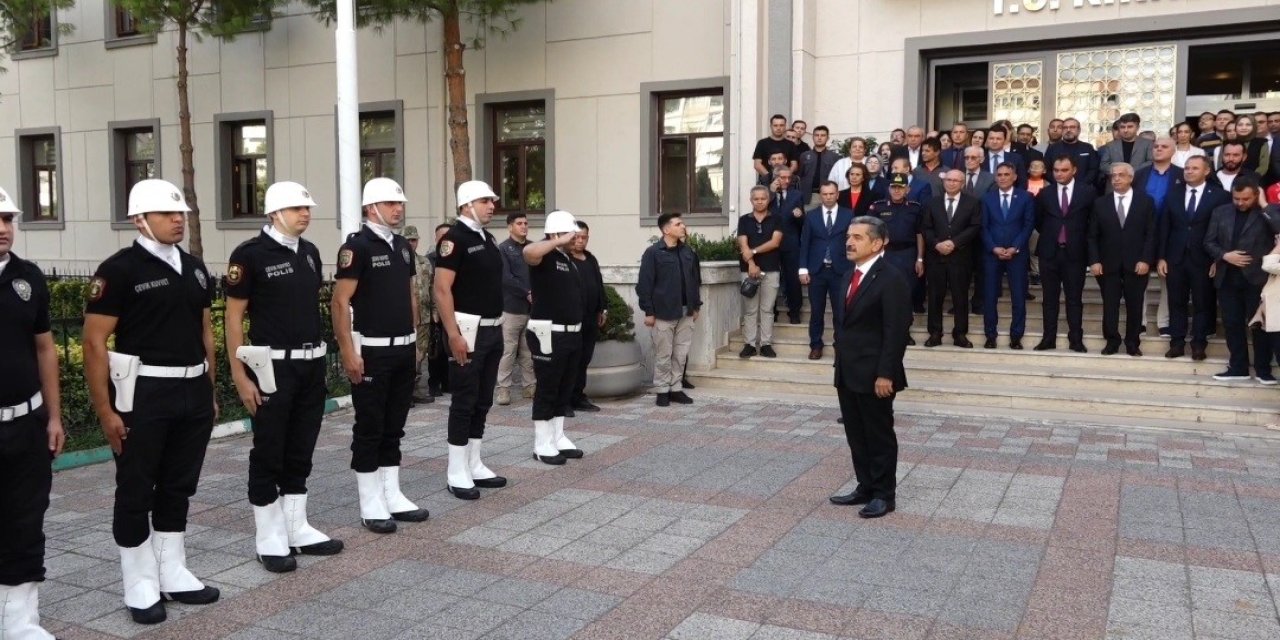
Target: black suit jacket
[
  {"x": 873, "y": 333},
  {"x": 1122, "y": 248},
  {"x": 1049, "y": 220},
  {"x": 1180, "y": 234},
  {"x": 964, "y": 228},
  {"x": 864, "y": 202},
  {"x": 1257, "y": 239}
]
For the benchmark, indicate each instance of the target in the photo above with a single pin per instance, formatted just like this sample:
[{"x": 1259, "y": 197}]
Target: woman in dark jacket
[
  {"x": 1257, "y": 153},
  {"x": 858, "y": 196}
]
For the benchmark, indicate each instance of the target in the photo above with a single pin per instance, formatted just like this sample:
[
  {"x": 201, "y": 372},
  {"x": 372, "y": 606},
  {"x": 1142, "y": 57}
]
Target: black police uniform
[
  {"x": 476, "y": 261},
  {"x": 283, "y": 292},
  {"x": 383, "y": 309},
  {"x": 25, "y": 471},
  {"x": 904, "y": 221},
  {"x": 160, "y": 319},
  {"x": 557, "y": 296}
]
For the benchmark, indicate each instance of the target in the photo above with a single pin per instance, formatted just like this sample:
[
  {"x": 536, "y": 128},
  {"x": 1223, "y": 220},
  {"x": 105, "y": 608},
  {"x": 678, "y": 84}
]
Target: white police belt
[
  {"x": 491, "y": 322},
  {"x": 9, "y": 414},
  {"x": 566, "y": 328},
  {"x": 313, "y": 352},
  {"x": 397, "y": 341},
  {"x": 153, "y": 371}
]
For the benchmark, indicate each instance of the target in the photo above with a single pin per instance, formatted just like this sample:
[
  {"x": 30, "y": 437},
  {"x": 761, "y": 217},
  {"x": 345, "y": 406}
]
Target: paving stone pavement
[{"x": 711, "y": 522}]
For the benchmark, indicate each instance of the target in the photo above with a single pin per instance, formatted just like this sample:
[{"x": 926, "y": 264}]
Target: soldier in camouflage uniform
[{"x": 426, "y": 346}]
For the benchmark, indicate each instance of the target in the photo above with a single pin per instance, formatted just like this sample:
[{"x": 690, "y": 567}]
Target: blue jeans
[{"x": 824, "y": 284}]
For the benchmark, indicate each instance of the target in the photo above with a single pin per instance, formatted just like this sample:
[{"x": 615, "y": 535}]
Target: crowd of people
[{"x": 974, "y": 215}]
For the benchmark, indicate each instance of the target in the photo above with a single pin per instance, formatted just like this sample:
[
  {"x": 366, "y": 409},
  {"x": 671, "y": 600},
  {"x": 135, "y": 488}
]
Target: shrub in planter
[{"x": 616, "y": 368}]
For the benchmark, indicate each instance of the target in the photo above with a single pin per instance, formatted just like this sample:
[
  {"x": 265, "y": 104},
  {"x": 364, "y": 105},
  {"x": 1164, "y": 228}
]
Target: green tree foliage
[{"x": 18, "y": 17}]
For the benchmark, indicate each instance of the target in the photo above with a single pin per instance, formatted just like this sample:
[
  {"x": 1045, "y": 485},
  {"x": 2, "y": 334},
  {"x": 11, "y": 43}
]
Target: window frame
[
  {"x": 225, "y": 127},
  {"x": 27, "y": 175},
  {"x": 17, "y": 51},
  {"x": 113, "y": 39},
  {"x": 496, "y": 147},
  {"x": 117, "y": 149},
  {"x": 652, "y": 94},
  {"x": 487, "y": 104},
  {"x": 395, "y": 107}
]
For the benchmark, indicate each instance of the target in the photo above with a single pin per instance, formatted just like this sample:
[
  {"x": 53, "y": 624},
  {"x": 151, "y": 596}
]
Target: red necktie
[{"x": 853, "y": 286}]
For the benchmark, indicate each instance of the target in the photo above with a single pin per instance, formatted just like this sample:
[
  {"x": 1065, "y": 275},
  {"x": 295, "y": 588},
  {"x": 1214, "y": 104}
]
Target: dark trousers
[
  {"x": 472, "y": 387},
  {"x": 1190, "y": 278},
  {"x": 381, "y": 404},
  {"x": 590, "y": 333},
  {"x": 555, "y": 372},
  {"x": 1062, "y": 274},
  {"x": 438, "y": 367},
  {"x": 904, "y": 260},
  {"x": 824, "y": 285},
  {"x": 951, "y": 277},
  {"x": 868, "y": 427},
  {"x": 1133, "y": 288},
  {"x": 285, "y": 429},
  {"x": 992, "y": 271},
  {"x": 158, "y": 468},
  {"x": 789, "y": 278},
  {"x": 979, "y": 280},
  {"x": 25, "y": 479},
  {"x": 1239, "y": 301}
]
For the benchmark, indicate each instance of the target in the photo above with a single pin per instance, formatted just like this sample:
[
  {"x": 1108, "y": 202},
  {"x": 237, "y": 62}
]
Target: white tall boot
[
  {"x": 272, "y": 539},
  {"x": 20, "y": 613},
  {"x": 141, "y": 573},
  {"x": 401, "y": 508},
  {"x": 544, "y": 445},
  {"x": 374, "y": 514},
  {"x": 176, "y": 581},
  {"x": 460, "y": 483},
  {"x": 481, "y": 475},
  {"x": 303, "y": 538},
  {"x": 564, "y": 444}
]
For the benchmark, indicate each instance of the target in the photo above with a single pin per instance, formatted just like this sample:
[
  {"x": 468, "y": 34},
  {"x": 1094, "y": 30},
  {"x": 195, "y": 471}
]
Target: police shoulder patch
[
  {"x": 200, "y": 278},
  {"x": 235, "y": 273},
  {"x": 97, "y": 287},
  {"x": 404, "y": 253},
  {"x": 345, "y": 258},
  {"x": 446, "y": 248},
  {"x": 23, "y": 289}
]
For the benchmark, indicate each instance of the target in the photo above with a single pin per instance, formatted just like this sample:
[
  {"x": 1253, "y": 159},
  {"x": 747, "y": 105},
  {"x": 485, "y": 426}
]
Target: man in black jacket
[
  {"x": 1071, "y": 145},
  {"x": 516, "y": 298},
  {"x": 1062, "y": 218},
  {"x": 952, "y": 223},
  {"x": 594, "y": 308},
  {"x": 1183, "y": 262},
  {"x": 1122, "y": 249},
  {"x": 667, "y": 289}
]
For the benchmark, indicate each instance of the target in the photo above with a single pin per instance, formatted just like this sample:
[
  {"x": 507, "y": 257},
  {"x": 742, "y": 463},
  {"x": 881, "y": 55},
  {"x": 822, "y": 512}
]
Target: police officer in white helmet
[
  {"x": 30, "y": 432},
  {"x": 375, "y": 283},
  {"x": 153, "y": 395},
  {"x": 275, "y": 279}
]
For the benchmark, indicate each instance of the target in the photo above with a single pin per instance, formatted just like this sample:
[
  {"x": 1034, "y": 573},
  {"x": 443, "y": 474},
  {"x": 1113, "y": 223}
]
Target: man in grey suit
[{"x": 1128, "y": 147}]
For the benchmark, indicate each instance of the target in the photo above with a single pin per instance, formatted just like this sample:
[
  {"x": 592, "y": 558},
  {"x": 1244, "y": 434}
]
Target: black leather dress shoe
[
  {"x": 1079, "y": 347},
  {"x": 963, "y": 343},
  {"x": 463, "y": 494},
  {"x": 679, "y": 397},
  {"x": 1015, "y": 344},
  {"x": 933, "y": 341},
  {"x": 583, "y": 404},
  {"x": 1111, "y": 349},
  {"x": 1176, "y": 352},
  {"x": 383, "y": 526},
  {"x": 1197, "y": 353},
  {"x": 1134, "y": 351},
  {"x": 278, "y": 564},
  {"x": 850, "y": 498},
  {"x": 207, "y": 595},
  {"x": 415, "y": 515},
  {"x": 555, "y": 460},
  {"x": 877, "y": 508},
  {"x": 571, "y": 454},
  {"x": 989, "y": 344},
  {"x": 326, "y": 548},
  {"x": 663, "y": 400},
  {"x": 1046, "y": 345},
  {"x": 911, "y": 342},
  {"x": 496, "y": 482},
  {"x": 153, "y": 614}
]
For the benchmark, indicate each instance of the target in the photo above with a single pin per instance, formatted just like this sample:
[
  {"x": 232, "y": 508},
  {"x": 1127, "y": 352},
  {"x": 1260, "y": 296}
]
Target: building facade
[{"x": 614, "y": 110}]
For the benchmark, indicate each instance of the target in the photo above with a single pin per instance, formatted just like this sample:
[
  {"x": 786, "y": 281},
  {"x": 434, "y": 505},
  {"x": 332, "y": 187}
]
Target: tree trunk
[
  {"x": 196, "y": 241},
  {"x": 456, "y": 80}
]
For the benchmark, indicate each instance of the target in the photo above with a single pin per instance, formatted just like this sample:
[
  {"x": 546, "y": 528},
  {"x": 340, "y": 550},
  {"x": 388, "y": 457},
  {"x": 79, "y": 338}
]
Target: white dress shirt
[
  {"x": 288, "y": 241},
  {"x": 167, "y": 252}
]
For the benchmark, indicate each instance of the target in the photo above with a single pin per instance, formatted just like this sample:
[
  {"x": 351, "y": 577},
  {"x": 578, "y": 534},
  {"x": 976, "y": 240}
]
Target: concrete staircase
[{"x": 1121, "y": 390}]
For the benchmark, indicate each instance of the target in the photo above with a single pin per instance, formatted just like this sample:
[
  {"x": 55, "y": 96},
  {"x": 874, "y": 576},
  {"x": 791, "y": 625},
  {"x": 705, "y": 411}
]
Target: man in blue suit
[
  {"x": 786, "y": 202},
  {"x": 823, "y": 263},
  {"x": 1008, "y": 216},
  {"x": 1183, "y": 261}
]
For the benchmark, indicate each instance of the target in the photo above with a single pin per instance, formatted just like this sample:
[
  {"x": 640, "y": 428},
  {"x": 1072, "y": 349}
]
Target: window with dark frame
[
  {"x": 378, "y": 157},
  {"x": 689, "y": 136},
  {"x": 520, "y": 156},
  {"x": 248, "y": 162},
  {"x": 138, "y": 155},
  {"x": 39, "y": 34},
  {"x": 126, "y": 24},
  {"x": 40, "y": 153}
]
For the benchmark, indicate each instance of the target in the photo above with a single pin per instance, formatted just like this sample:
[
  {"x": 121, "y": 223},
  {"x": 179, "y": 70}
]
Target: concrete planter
[{"x": 616, "y": 369}]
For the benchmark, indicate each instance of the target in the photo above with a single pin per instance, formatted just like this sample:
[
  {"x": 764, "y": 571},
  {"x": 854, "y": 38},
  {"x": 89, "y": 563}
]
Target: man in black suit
[
  {"x": 1183, "y": 262},
  {"x": 1071, "y": 145},
  {"x": 1239, "y": 235},
  {"x": 977, "y": 182},
  {"x": 868, "y": 367},
  {"x": 1062, "y": 218},
  {"x": 952, "y": 222},
  {"x": 1122, "y": 247},
  {"x": 787, "y": 203},
  {"x": 1027, "y": 141},
  {"x": 996, "y": 154},
  {"x": 914, "y": 137}
]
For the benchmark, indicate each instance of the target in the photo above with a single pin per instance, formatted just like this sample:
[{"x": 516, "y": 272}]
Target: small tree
[
  {"x": 493, "y": 16},
  {"x": 195, "y": 18},
  {"x": 18, "y": 17}
]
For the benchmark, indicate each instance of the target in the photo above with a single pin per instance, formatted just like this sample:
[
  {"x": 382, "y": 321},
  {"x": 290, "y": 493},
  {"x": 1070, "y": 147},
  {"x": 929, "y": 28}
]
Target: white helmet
[
  {"x": 560, "y": 222},
  {"x": 381, "y": 190},
  {"x": 7, "y": 205},
  {"x": 156, "y": 196},
  {"x": 283, "y": 195},
  {"x": 473, "y": 190}
]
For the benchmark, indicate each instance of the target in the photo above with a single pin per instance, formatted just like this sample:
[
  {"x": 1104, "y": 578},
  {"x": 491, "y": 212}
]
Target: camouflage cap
[{"x": 410, "y": 232}]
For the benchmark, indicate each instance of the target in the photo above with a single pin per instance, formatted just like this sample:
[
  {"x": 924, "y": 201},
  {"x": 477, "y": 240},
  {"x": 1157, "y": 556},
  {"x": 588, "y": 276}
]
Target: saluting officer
[
  {"x": 275, "y": 278},
  {"x": 375, "y": 283},
  {"x": 468, "y": 290},
  {"x": 158, "y": 410},
  {"x": 904, "y": 219},
  {"x": 555, "y": 335},
  {"x": 30, "y": 432}
]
